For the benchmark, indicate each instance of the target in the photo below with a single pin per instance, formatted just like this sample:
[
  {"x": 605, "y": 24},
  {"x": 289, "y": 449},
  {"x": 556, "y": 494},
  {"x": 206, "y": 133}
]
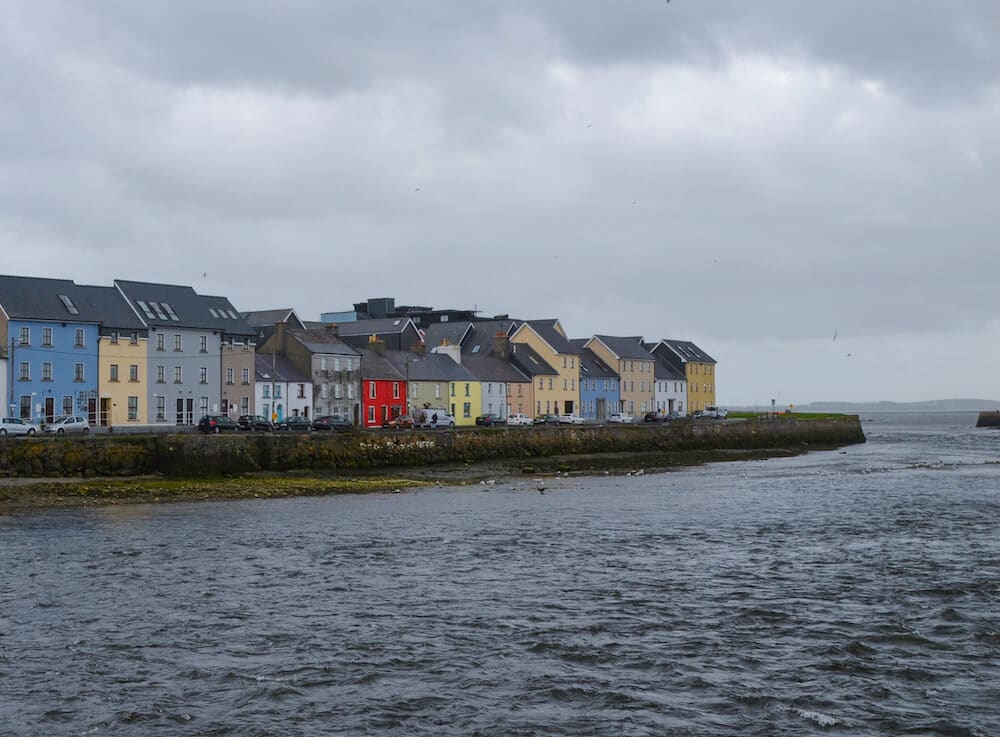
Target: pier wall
[{"x": 187, "y": 455}]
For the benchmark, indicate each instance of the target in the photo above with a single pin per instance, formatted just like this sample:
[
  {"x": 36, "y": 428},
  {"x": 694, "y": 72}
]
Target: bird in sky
[{"x": 834, "y": 334}]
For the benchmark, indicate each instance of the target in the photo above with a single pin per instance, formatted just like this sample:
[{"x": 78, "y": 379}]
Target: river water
[{"x": 852, "y": 592}]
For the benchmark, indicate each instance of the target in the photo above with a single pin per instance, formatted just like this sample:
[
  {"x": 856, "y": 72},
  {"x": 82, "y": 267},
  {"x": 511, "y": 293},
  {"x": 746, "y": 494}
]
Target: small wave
[{"x": 823, "y": 720}]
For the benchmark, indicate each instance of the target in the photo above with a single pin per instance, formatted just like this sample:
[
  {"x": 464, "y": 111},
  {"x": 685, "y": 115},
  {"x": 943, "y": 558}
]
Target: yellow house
[
  {"x": 559, "y": 393},
  {"x": 465, "y": 392},
  {"x": 698, "y": 368},
  {"x": 635, "y": 367},
  {"x": 122, "y": 384}
]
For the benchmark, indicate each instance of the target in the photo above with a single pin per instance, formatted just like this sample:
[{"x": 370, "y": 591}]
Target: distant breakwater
[
  {"x": 192, "y": 456},
  {"x": 989, "y": 419}
]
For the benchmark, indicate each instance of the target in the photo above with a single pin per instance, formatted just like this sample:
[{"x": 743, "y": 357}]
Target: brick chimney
[
  {"x": 376, "y": 344},
  {"x": 333, "y": 328},
  {"x": 420, "y": 348},
  {"x": 501, "y": 345}
]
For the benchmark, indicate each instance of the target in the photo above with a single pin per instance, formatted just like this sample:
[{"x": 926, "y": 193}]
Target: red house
[{"x": 383, "y": 387}]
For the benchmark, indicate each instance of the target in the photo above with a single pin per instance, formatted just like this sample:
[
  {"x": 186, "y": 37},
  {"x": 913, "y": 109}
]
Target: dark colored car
[
  {"x": 217, "y": 423},
  {"x": 336, "y": 423},
  {"x": 255, "y": 423},
  {"x": 294, "y": 423},
  {"x": 547, "y": 420},
  {"x": 655, "y": 417},
  {"x": 489, "y": 420}
]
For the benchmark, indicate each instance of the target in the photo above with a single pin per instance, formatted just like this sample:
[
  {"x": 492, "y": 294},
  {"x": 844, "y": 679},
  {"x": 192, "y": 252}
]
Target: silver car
[
  {"x": 68, "y": 424},
  {"x": 17, "y": 426}
]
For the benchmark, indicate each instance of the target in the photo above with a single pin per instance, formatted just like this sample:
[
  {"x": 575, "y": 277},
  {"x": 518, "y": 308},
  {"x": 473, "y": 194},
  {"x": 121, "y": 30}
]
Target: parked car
[
  {"x": 425, "y": 418},
  {"x": 570, "y": 419},
  {"x": 17, "y": 426},
  {"x": 294, "y": 423},
  {"x": 337, "y": 423},
  {"x": 547, "y": 420},
  {"x": 655, "y": 417},
  {"x": 217, "y": 423},
  {"x": 403, "y": 422},
  {"x": 254, "y": 423},
  {"x": 68, "y": 424},
  {"x": 519, "y": 419},
  {"x": 490, "y": 419},
  {"x": 717, "y": 413},
  {"x": 619, "y": 418}
]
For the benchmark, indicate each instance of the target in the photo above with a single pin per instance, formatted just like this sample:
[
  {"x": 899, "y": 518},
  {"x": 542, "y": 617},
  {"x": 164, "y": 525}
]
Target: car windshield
[{"x": 64, "y": 418}]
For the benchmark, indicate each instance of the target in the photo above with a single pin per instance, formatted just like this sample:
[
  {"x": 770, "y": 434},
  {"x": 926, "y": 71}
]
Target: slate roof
[
  {"x": 453, "y": 332},
  {"x": 662, "y": 369},
  {"x": 159, "y": 304},
  {"x": 546, "y": 330},
  {"x": 267, "y": 318},
  {"x": 625, "y": 347},
  {"x": 323, "y": 340},
  {"x": 379, "y": 367},
  {"x": 33, "y": 298},
  {"x": 591, "y": 365},
  {"x": 687, "y": 351},
  {"x": 430, "y": 367},
  {"x": 380, "y": 326},
  {"x": 280, "y": 368},
  {"x": 524, "y": 357}
]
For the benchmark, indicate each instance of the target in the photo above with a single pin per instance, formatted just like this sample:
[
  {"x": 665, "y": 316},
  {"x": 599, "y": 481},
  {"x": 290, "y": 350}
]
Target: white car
[
  {"x": 519, "y": 419},
  {"x": 619, "y": 418},
  {"x": 570, "y": 420},
  {"x": 718, "y": 413},
  {"x": 17, "y": 426},
  {"x": 68, "y": 424}
]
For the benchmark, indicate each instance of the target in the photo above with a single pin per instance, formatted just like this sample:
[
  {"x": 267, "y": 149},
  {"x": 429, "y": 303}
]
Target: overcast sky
[{"x": 757, "y": 177}]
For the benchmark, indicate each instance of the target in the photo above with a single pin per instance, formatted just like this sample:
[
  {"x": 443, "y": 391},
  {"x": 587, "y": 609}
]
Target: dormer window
[{"x": 68, "y": 304}]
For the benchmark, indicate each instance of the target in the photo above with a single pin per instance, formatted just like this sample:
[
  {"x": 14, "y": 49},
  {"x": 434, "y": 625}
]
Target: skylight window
[
  {"x": 233, "y": 315},
  {"x": 170, "y": 311},
  {"x": 159, "y": 311},
  {"x": 214, "y": 313},
  {"x": 145, "y": 308},
  {"x": 68, "y": 304},
  {"x": 475, "y": 349}
]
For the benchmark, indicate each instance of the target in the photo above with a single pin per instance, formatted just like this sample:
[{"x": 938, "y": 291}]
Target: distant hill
[{"x": 932, "y": 405}]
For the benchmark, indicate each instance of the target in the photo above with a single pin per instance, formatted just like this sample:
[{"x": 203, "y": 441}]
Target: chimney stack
[
  {"x": 501, "y": 345},
  {"x": 333, "y": 329},
  {"x": 420, "y": 348},
  {"x": 376, "y": 344}
]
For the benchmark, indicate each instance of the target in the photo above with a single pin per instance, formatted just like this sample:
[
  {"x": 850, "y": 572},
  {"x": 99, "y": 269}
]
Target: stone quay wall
[{"x": 194, "y": 455}]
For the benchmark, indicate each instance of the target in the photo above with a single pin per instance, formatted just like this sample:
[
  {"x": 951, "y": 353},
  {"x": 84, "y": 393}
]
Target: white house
[
  {"x": 670, "y": 388},
  {"x": 280, "y": 389}
]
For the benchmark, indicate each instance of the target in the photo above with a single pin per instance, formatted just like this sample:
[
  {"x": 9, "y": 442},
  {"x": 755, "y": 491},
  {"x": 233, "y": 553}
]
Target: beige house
[
  {"x": 558, "y": 393},
  {"x": 635, "y": 366}
]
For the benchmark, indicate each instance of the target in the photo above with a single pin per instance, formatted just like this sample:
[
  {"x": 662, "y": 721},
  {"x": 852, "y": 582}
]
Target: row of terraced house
[{"x": 143, "y": 354}]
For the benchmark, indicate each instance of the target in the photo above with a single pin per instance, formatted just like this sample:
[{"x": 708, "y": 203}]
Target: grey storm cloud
[{"x": 724, "y": 171}]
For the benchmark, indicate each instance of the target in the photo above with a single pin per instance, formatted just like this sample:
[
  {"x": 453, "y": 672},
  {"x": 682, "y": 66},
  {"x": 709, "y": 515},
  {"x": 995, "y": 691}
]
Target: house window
[
  {"x": 177, "y": 375},
  {"x": 78, "y": 372},
  {"x": 161, "y": 408},
  {"x": 46, "y": 372},
  {"x": 437, "y": 391},
  {"x": 229, "y": 375},
  {"x": 302, "y": 391},
  {"x": 67, "y": 405},
  {"x": 24, "y": 336},
  {"x": 395, "y": 390},
  {"x": 133, "y": 372},
  {"x": 371, "y": 415},
  {"x": 78, "y": 338},
  {"x": 244, "y": 405},
  {"x": 541, "y": 383},
  {"x": 25, "y": 413},
  {"x": 203, "y": 375},
  {"x": 322, "y": 363},
  {"x": 267, "y": 391},
  {"x": 572, "y": 362},
  {"x": 371, "y": 390},
  {"x": 538, "y": 408},
  {"x": 133, "y": 408},
  {"x": 203, "y": 344},
  {"x": 467, "y": 409},
  {"x": 177, "y": 342},
  {"x": 161, "y": 374},
  {"x": 466, "y": 390},
  {"x": 47, "y": 337},
  {"x": 338, "y": 391},
  {"x": 350, "y": 391},
  {"x": 113, "y": 338},
  {"x": 114, "y": 372},
  {"x": 203, "y": 404},
  {"x": 133, "y": 338},
  {"x": 336, "y": 364},
  {"x": 323, "y": 391},
  {"x": 572, "y": 384},
  {"x": 564, "y": 361},
  {"x": 246, "y": 376},
  {"x": 451, "y": 388},
  {"x": 550, "y": 383},
  {"x": 277, "y": 391},
  {"x": 565, "y": 384},
  {"x": 159, "y": 341}
]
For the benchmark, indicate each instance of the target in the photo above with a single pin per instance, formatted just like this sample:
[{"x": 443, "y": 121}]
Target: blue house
[
  {"x": 50, "y": 328},
  {"x": 599, "y": 385}
]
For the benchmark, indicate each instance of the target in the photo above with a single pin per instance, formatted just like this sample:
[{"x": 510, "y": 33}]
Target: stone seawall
[
  {"x": 989, "y": 419},
  {"x": 189, "y": 456}
]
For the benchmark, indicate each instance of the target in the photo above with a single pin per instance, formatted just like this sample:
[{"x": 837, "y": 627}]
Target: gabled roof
[
  {"x": 591, "y": 365},
  {"x": 662, "y": 369},
  {"x": 481, "y": 339},
  {"x": 173, "y": 305},
  {"x": 381, "y": 326},
  {"x": 429, "y": 367},
  {"x": 528, "y": 362},
  {"x": 625, "y": 347},
  {"x": 268, "y": 367},
  {"x": 550, "y": 332},
  {"x": 453, "y": 332},
  {"x": 267, "y": 318},
  {"x": 378, "y": 367},
  {"x": 323, "y": 340},
  {"x": 33, "y": 298},
  {"x": 686, "y": 351}
]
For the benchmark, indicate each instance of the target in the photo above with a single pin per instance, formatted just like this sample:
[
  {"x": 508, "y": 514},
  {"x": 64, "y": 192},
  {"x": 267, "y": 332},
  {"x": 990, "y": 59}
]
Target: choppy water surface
[{"x": 851, "y": 593}]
